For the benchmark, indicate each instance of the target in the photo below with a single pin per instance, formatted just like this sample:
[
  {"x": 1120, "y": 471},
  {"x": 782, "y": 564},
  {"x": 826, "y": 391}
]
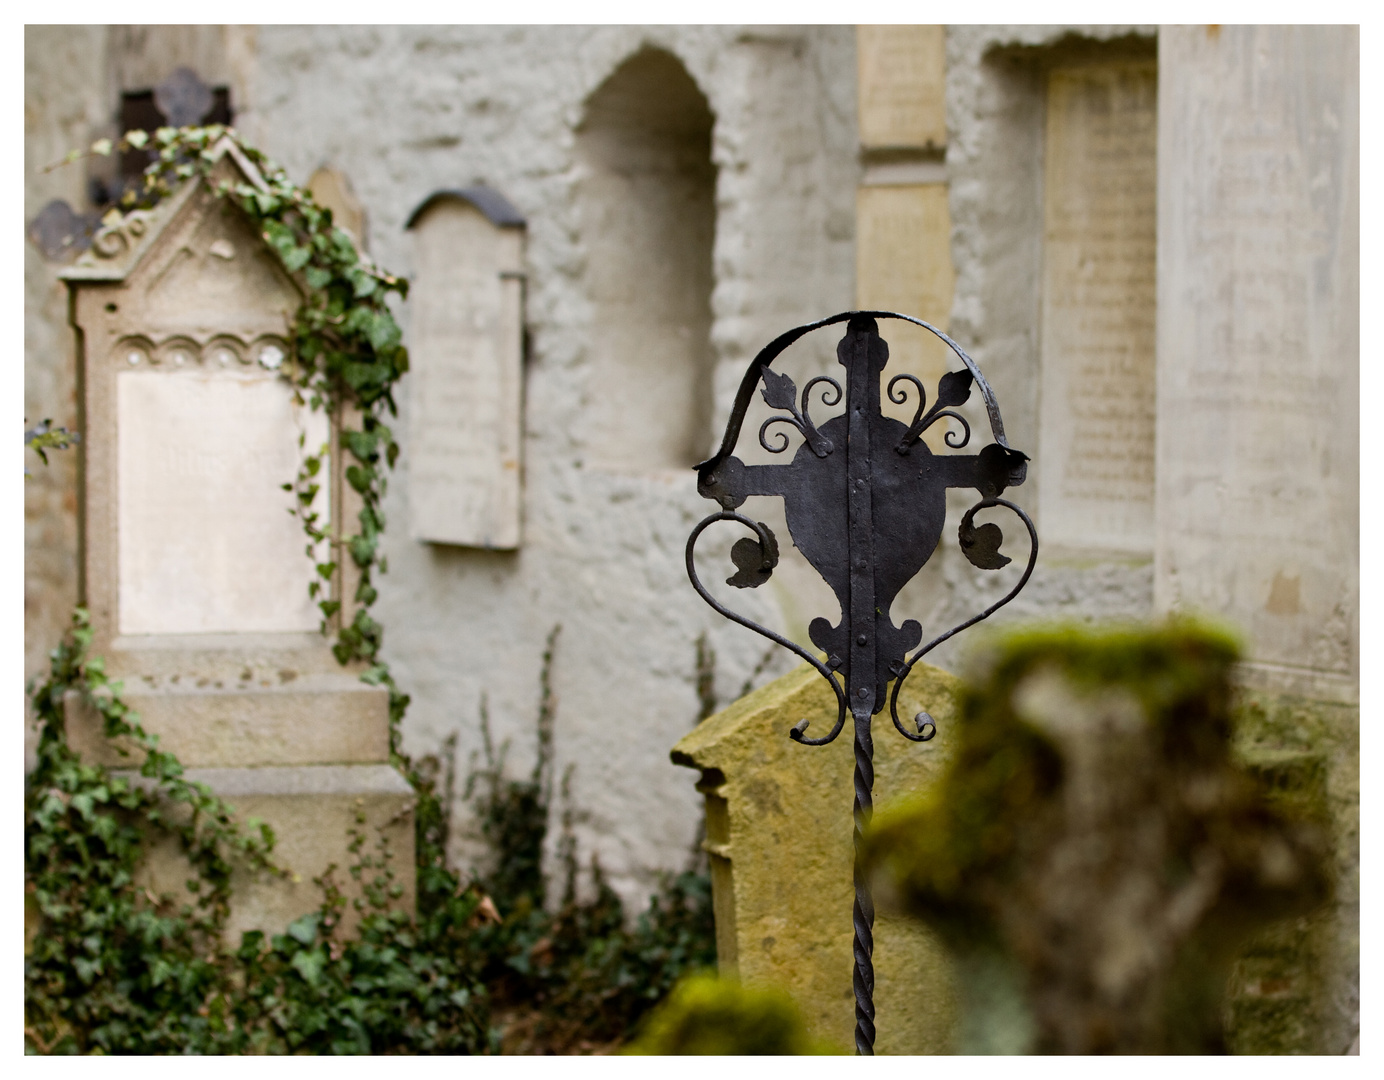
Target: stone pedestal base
[{"x": 312, "y": 810}]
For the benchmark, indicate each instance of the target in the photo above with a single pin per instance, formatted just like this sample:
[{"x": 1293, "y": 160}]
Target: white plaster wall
[{"x": 405, "y": 111}]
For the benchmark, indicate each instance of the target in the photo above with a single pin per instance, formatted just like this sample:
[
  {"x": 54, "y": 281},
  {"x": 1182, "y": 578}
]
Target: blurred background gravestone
[
  {"x": 194, "y": 567},
  {"x": 1093, "y": 857}
]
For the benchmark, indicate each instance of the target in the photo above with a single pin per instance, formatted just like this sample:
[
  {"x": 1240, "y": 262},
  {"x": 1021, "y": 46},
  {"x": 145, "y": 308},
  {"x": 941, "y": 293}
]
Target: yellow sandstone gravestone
[{"x": 778, "y": 825}]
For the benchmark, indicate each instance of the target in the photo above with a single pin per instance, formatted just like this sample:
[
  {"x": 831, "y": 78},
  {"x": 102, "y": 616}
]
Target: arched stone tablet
[{"x": 466, "y": 370}]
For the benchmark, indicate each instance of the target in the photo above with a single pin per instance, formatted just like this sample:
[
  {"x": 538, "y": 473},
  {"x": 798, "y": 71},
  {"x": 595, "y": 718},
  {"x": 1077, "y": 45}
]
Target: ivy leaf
[
  {"x": 384, "y": 331},
  {"x": 304, "y": 928},
  {"x": 297, "y": 258},
  {"x": 309, "y": 965},
  {"x": 360, "y": 443},
  {"x": 362, "y": 284},
  {"x": 362, "y": 550},
  {"x": 359, "y": 478},
  {"x": 954, "y": 388},
  {"x": 778, "y": 390}
]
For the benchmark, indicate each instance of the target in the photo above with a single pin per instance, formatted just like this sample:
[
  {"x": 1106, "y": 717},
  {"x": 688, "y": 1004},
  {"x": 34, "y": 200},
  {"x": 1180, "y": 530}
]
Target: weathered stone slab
[
  {"x": 195, "y": 569},
  {"x": 1259, "y": 344},
  {"x": 1096, "y": 423},
  {"x": 208, "y": 542},
  {"x": 314, "y": 719},
  {"x": 466, "y": 348},
  {"x": 901, "y": 86},
  {"x": 778, "y": 828}
]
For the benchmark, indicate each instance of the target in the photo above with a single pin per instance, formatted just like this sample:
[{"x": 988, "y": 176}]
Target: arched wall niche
[{"x": 647, "y": 199}]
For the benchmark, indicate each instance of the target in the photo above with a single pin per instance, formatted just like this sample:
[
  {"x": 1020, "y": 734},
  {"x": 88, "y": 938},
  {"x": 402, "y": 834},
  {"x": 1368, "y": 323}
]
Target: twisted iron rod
[{"x": 863, "y": 915}]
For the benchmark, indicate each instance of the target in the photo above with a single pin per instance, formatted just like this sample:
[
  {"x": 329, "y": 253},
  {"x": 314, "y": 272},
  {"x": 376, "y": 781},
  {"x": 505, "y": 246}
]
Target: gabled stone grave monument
[{"x": 193, "y": 567}]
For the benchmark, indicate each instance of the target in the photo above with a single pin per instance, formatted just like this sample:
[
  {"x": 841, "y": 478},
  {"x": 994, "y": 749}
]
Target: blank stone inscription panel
[
  {"x": 466, "y": 353},
  {"x": 1096, "y": 441},
  {"x": 206, "y": 541}
]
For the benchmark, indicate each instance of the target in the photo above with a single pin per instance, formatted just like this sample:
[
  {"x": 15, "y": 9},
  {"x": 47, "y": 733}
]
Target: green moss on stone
[
  {"x": 708, "y": 1015},
  {"x": 1147, "y": 719}
]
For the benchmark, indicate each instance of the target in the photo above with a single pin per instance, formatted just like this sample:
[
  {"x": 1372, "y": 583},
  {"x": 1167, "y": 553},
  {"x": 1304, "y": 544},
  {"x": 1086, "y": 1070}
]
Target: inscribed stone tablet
[
  {"x": 206, "y": 541},
  {"x": 902, "y": 77},
  {"x": 1096, "y": 436},
  {"x": 466, "y": 352}
]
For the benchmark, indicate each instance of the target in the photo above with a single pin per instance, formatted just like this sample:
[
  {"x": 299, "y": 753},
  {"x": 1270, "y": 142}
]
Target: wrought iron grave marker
[{"x": 865, "y": 502}]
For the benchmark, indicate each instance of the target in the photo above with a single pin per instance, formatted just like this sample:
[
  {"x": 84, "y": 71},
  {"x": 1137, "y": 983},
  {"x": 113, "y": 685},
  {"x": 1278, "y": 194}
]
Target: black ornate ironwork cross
[{"x": 865, "y": 502}]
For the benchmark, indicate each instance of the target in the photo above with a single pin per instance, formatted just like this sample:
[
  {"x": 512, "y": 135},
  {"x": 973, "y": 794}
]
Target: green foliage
[
  {"x": 580, "y": 976},
  {"x": 115, "y": 968},
  {"x": 46, "y": 437},
  {"x": 395, "y": 985},
  {"x": 707, "y": 1015}
]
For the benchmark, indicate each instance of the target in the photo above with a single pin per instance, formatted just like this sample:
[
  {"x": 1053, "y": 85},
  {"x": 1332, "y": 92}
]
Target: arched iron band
[
  {"x": 770, "y": 353},
  {"x": 760, "y": 530}
]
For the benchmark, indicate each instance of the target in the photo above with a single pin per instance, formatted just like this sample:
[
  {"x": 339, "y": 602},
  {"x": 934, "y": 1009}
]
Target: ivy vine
[
  {"x": 84, "y": 835},
  {"x": 347, "y": 355}
]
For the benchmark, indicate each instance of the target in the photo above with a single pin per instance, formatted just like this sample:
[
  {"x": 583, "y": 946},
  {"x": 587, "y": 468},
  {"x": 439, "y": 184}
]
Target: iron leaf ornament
[{"x": 865, "y": 499}]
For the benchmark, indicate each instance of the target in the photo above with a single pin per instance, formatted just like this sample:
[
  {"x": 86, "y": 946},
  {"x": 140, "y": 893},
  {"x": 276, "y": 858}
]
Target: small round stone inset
[{"x": 271, "y": 356}]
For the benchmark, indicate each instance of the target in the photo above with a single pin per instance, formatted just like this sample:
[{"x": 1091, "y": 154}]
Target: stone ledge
[
  {"x": 335, "y": 720},
  {"x": 292, "y": 780}
]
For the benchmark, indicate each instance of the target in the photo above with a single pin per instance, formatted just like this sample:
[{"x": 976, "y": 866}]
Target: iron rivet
[
  {"x": 861, "y": 640},
  {"x": 863, "y": 692}
]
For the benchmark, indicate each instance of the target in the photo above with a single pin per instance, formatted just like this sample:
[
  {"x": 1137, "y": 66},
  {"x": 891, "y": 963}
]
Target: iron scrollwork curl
[
  {"x": 766, "y": 543},
  {"x": 952, "y": 389},
  {"x": 779, "y": 392}
]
